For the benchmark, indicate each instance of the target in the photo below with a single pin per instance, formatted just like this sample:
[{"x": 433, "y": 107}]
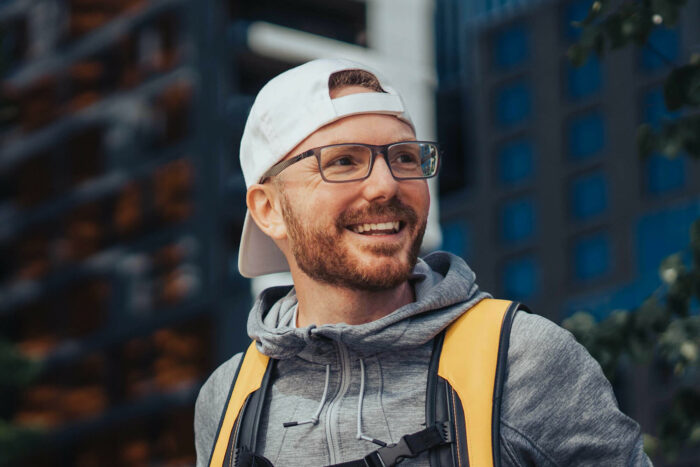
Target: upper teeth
[{"x": 359, "y": 228}]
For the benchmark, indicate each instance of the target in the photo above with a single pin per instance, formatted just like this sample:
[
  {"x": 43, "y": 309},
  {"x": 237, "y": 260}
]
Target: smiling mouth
[{"x": 380, "y": 228}]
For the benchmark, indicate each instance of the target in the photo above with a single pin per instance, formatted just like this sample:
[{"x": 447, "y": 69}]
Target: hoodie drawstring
[
  {"x": 314, "y": 420},
  {"x": 361, "y": 435}
]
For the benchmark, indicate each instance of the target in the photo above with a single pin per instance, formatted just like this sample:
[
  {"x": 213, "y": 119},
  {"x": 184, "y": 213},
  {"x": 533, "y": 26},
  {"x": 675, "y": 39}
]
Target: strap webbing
[
  {"x": 476, "y": 334},
  {"x": 249, "y": 379},
  {"x": 408, "y": 446}
]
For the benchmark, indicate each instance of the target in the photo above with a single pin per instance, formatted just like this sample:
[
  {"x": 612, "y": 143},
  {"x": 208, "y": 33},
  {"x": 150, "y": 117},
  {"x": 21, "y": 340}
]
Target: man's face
[{"x": 322, "y": 218}]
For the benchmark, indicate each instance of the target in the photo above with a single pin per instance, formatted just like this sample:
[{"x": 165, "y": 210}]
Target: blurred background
[{"x": 122, "y": 200}]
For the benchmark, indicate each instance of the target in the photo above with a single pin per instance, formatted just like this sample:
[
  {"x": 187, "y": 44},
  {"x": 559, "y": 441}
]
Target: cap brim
[{"x": 258, "y": 254}]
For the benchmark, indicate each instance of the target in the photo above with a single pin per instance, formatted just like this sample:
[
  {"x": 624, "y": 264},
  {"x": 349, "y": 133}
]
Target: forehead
[{"x": 364, "y": 128}]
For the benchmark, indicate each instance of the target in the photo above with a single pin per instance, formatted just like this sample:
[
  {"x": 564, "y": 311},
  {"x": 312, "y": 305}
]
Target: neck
[{"x": 328, "y": 304}]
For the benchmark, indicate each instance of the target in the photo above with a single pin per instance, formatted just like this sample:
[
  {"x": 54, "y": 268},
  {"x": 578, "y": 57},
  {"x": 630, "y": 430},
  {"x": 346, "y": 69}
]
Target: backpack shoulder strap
[
  {"x": 473, "y": 361},
  {"x": 248, "y": 379}
]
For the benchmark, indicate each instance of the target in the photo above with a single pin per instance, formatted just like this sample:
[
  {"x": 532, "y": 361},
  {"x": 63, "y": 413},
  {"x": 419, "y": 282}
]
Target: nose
[{"x": 380, "y": 185}]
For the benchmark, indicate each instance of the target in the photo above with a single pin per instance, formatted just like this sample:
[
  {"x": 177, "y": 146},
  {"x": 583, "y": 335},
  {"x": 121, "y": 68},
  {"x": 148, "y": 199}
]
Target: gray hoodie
[{"x": 369, "y": 380}]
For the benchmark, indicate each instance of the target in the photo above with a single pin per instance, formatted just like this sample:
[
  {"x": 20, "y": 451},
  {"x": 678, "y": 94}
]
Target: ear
[{"x": 264, "y": 206}]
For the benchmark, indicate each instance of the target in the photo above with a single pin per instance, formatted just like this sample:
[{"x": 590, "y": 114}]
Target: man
[{"x": 337, "y": 195}]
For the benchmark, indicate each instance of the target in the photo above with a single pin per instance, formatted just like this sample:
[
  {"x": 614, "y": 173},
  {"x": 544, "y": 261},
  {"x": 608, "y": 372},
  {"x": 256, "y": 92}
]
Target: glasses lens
[
  {"x": 413, "y": 160},
  {"x": 345, "y": 162}
]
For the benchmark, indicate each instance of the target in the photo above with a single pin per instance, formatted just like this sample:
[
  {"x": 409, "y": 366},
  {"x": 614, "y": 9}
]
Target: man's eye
[
  {"x": 342, "y": 161},
  {"x": 406, "y": 158}
]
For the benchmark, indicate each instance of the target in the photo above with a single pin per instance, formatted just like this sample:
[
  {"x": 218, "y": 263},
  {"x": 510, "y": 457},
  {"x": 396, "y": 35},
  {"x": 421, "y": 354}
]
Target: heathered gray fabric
[{"x": 558, "y": 409}]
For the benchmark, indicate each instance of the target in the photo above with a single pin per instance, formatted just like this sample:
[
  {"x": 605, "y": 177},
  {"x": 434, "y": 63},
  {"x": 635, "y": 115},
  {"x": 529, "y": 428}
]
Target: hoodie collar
[{"x": 445, "y": 287}]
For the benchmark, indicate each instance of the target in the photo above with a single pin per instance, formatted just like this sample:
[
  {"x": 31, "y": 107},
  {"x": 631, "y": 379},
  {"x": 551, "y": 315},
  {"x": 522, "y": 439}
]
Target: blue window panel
[
  {"x": 663, "y": 233},
  {"x": 521, "y": 278},
  {"x": 457, "y": 238},
  {"x": 586, "y": 135},
  {"x": 654, "y": 108},
  {"x": 513, "y": 104},
  {"x": 584, "y": 81},
  {"x": 575, "y": 11},
  {"x": 511, "y": 47},
  {"x": 517, "y": 220},
  {"x": 589, "y": 196},
  {"x": 664, "y": 175},
  {"x": 623, "y": 297},
  {"x": 591, "y": 257},
  {"x": 516, "y": 161},
  {"x": 667, "y": 43}
]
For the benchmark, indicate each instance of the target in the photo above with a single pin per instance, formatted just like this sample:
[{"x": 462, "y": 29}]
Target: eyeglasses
[{"x": 350, "y": 162}]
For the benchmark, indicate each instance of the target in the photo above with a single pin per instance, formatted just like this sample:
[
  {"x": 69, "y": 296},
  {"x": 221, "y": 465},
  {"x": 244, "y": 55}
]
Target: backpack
[{"x": 463, "y": 398}]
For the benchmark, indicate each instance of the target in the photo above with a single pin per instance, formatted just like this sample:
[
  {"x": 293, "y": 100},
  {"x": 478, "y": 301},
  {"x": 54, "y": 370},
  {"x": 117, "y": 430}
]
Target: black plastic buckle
[{"x": 389, "y": 455}]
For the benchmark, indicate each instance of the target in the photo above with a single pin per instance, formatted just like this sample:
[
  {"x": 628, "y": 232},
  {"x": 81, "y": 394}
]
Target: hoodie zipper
[{"x": 332, "y": 413}]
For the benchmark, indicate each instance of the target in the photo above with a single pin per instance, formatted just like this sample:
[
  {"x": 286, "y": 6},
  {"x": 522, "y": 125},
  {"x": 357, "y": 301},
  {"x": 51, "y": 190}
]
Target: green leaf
[
  {"x": 613, "y": 28},
  {"x": 578, "y": 54},
  {"x": 668, "y": 10},
  {"x": 682, "y": 87},
  {"x": 670, "y": 145},
  {"x": 674, "y": 89},
  {"x": 691, "y": 134},
  {"x": 693, "y": 85}
]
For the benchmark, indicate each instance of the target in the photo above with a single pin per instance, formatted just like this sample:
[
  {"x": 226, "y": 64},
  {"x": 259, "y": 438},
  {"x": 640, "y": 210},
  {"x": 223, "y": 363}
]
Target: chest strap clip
[{"x": 411, "y": 445}]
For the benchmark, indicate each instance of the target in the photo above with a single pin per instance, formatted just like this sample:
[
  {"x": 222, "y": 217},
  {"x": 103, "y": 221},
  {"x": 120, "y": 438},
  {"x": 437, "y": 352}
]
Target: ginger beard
[{"x": 322, "y": 255}]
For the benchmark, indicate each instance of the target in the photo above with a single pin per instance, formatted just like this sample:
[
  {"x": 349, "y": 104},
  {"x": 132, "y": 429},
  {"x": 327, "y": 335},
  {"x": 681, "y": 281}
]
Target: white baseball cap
[{"x": 287, "y": 109}]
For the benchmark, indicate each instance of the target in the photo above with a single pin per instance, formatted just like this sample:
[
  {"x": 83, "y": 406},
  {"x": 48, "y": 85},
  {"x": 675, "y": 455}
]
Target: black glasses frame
[{"x": 375, "y": 149}]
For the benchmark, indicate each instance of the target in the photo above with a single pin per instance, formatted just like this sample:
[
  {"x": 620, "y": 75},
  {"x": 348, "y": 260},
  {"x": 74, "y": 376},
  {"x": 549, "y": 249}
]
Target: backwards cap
[{"x": 287, "y": 109}]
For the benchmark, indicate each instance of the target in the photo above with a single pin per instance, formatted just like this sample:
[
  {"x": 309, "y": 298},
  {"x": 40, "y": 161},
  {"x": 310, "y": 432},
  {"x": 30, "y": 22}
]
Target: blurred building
[
  {"x": 116, "y": 226},
  {"x": 551, "y": 204}
]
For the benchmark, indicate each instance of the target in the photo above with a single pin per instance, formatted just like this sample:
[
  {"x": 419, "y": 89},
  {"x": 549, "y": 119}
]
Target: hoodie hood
[{"x": 444, "y": 285}]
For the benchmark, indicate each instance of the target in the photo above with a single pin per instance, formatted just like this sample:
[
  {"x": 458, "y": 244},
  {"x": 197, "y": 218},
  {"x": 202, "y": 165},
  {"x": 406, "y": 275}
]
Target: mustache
[{"x": 394, "y": 208}]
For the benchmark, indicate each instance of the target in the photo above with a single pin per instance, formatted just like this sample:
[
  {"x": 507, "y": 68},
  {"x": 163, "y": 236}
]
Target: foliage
[
  {"x": 608, "y": 26},
  {"x": 662, "y": 331}
]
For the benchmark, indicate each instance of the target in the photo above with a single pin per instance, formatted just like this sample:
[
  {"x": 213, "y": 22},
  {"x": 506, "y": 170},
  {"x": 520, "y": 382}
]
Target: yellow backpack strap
[
  {"x": 472, "y": 361},
  {"x": 247, "y": 380}
]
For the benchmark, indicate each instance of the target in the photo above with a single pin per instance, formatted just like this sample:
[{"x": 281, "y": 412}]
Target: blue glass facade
[
  {"x": 657, "y": 235},
  {"x": 664, "y": 175},
  {"x": 662, "y": 51},
  {"x": 586, "y": 135},
  {"x": 591, "y": 256},
  {"x": 584, "y": 81},
  {"x": 513, "y": 104},
  {"x": 511, "y": 47},
  {"x": 555, "y": 149},
  {"x": 573, "y": 12},
  {"x": 661, "y": 174},
  {"x": 516, "y": 162},
  {"x": 457, "y": 238},
  {"x": 521, "y": 278},
  {"x": 517, "y": 220},
  {"x": 654, "y": 109},
  {"x": 588, "y": 196}
]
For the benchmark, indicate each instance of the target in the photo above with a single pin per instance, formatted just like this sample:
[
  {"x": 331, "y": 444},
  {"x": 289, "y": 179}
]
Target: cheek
[
  {"x": 317, "y": 207},
  {"x": 419, "y": 199}
]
